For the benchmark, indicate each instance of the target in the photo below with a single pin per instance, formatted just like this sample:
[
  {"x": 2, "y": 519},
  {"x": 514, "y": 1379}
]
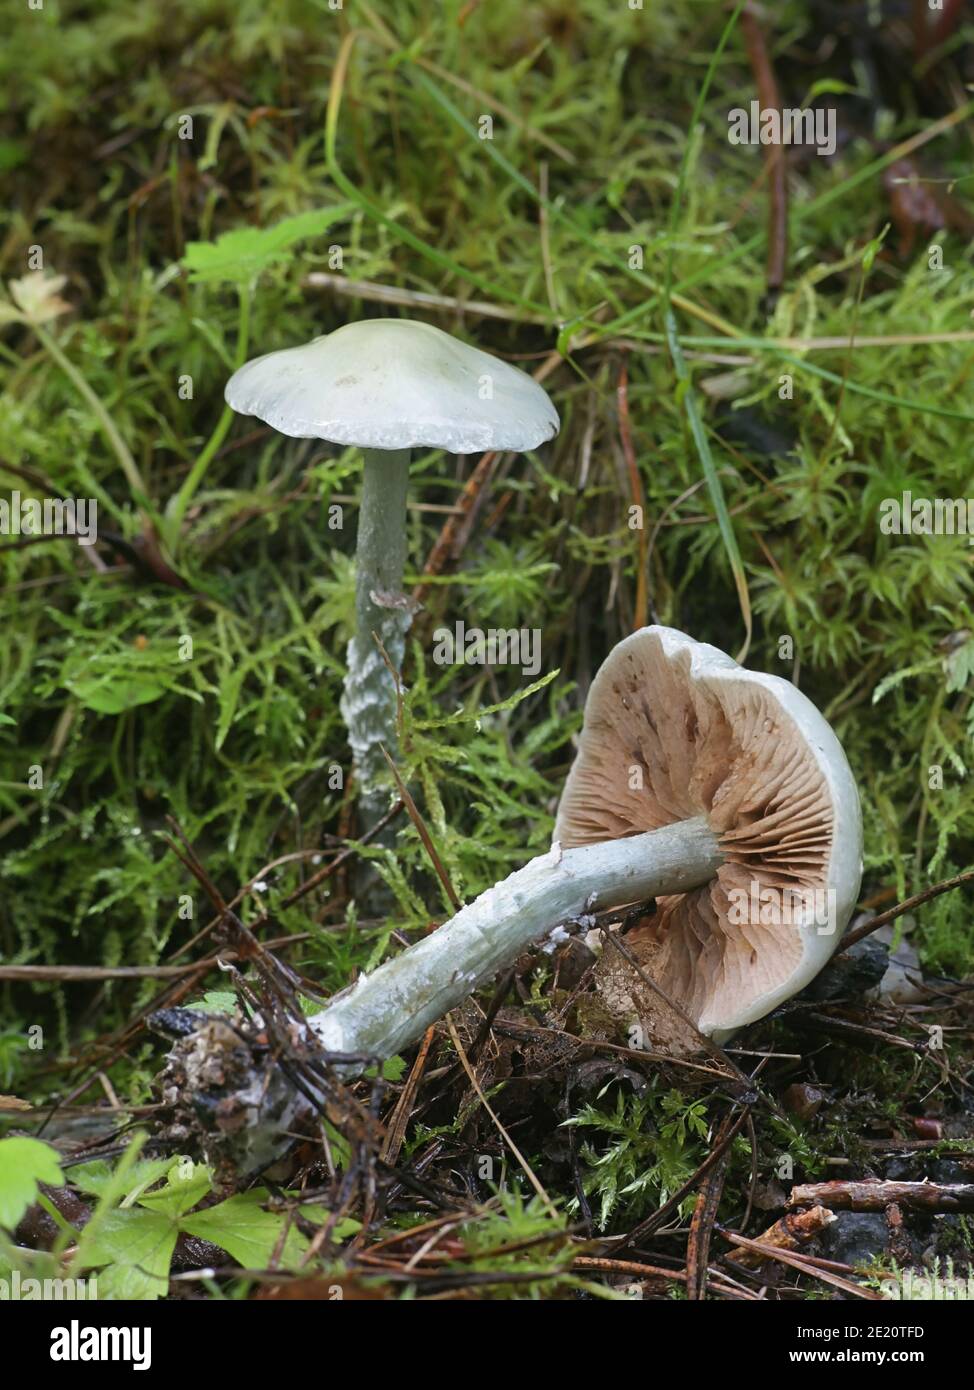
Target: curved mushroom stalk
[
  {"x": 226, "y": 1082},
  {"x": 550, "y": 897},
  {"x": 743, "y": 791}
]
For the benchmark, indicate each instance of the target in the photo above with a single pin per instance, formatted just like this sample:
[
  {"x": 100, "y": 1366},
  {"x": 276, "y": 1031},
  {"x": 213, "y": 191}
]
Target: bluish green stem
[{"x": 369, "y": 702}]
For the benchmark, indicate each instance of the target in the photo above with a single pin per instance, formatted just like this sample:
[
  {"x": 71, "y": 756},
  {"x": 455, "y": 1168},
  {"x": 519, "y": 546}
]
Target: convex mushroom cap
[
  {"x": 395, "y": 384},
  {"x": 676, "y": 729}
]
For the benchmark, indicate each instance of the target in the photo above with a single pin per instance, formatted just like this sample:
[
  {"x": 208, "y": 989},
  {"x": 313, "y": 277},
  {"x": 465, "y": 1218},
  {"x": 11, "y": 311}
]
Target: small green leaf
[
  {"x": 829, "y": 86},
  {"x": 136, "y": 1246},
  {"x": 959, "y": 667},
  {"x": 872, "y": 250},
  {"x": 464, "y": 716},
  {"x": 114, "y": 695},
  {"x": 23, "y": 1164},
  {"x": 238, "y": 257},
  {"x": 99, "y": 1178},
  {"x": 188, "y": 1184},
  {"x": 217, "y": 1001},
  {"x": 245, "y": 1231},
  {"x": 392, "y": 1068}
]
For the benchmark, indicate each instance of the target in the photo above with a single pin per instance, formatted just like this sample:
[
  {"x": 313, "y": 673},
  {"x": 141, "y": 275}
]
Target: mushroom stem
[
  {"x": 369, "y": 702},
  {"x": 386, "y": 1011},
  {"x": 246, "y": 1104}
]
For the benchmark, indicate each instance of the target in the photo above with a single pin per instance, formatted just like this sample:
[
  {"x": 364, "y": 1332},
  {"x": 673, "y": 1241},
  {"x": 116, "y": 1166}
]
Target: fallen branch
[
  {"x": 907, "y": 905},
  {"x": 877, "y": 1196}
]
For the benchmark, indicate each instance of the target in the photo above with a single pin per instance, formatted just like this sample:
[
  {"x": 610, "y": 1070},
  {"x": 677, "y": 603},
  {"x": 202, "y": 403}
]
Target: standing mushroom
[
  {"x": 389, "y": 386},
  {"x": 697, "y": 783}
]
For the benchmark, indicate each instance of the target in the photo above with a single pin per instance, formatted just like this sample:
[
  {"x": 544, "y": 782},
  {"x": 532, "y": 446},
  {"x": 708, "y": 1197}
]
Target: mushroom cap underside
[
  {"x": 674, "y": 729},
  {"x": 395, "y": 384}
]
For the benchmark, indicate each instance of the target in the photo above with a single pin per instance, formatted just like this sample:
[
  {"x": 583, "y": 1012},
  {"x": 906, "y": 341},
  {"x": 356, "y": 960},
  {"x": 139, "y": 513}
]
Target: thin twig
[
  {"x": 907, "y": 905},
  {"x": 416, "y": 299},
  {"x": 525, "y": 1165},
  {"x": 704, "y": 1216},
  {"x": 803, "y": 1264},
  {"x": 637, "y": 495},
  {"x": 761, "y": 66}
]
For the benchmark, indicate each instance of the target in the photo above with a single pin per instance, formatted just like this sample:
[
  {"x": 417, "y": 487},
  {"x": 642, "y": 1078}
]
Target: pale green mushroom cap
[{"x": 395, "y": 384}]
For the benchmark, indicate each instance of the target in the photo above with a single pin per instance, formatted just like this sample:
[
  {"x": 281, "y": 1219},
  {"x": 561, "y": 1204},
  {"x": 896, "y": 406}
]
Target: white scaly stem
[
  {"x": 368, "y": 704},
  {"x": 388, "y": 1010},
  {"x": 251, "y": 1103}
]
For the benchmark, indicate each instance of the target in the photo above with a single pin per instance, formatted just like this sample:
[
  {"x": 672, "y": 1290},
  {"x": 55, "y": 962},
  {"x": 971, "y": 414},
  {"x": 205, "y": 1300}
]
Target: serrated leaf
[
  {"x": 245, "y": 1231},
  {"x": 392, "y": 1068},
  {"x": 188, "y": 1183},
  {"x": 238, "y": 257},
  {"x": 37, "y": 295},
  {"x": 100, "y": 1179},
  {"x": 24, "y": 1163},
  {"x": 136, "y": 1247}
]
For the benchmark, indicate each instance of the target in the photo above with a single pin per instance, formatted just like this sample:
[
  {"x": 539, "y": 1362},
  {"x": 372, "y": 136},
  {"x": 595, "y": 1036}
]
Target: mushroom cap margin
[
  {"x": 395, "y": 384},
  {"x": 712, "y": 670}
]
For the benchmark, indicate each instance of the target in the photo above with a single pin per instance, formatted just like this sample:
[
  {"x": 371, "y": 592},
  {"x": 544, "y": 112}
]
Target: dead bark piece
[
  {"x": 12, "y": 1103},
  {"x": 790, "y": 1233},
  {"x": 803, "y": 1101},
  {"x": 873, "y": 1195}
]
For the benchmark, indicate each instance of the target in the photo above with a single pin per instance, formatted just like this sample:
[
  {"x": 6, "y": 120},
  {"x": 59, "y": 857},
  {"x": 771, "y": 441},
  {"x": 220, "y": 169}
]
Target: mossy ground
[{"x": 592, "y": 109}]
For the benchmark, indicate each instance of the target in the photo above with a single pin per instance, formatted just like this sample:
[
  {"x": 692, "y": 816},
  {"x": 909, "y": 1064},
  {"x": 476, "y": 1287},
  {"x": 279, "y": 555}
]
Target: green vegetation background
[{"x": 593, "y": 102}]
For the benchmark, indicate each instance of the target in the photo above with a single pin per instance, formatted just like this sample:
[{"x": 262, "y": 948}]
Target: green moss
[{"x": 237, "y": 734}]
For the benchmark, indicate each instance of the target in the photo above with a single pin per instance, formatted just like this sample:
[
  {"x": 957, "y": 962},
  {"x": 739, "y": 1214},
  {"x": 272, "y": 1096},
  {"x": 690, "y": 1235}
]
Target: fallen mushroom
[
  {"x": 675, "y": 729},
  {"x": 388, "y": 386},
  {"x": 741, "y": 781}
]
